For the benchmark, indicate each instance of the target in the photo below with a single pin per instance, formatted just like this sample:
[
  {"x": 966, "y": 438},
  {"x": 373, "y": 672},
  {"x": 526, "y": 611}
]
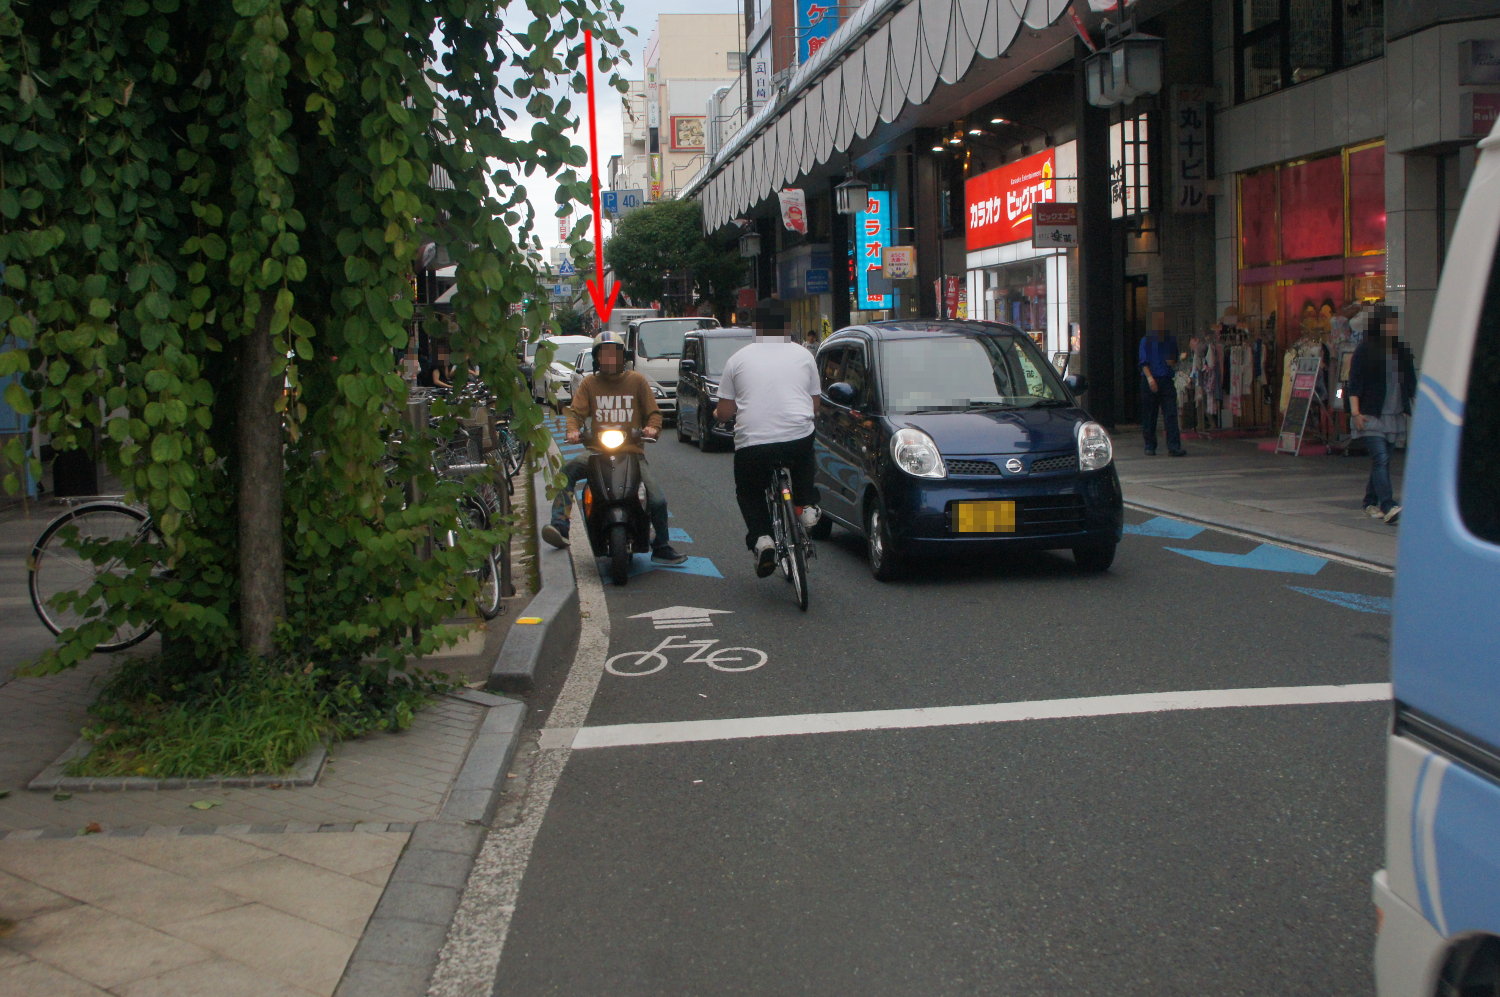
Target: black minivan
[
  {"x": 944, "y": 437},
  {"x": 704, "y": 353}
]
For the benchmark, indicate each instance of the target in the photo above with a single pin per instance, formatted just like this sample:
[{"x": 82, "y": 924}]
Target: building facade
[{"x": 1290, "y": 158}]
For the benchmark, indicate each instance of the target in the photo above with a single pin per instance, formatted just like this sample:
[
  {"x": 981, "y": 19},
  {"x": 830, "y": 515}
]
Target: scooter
[{"x": 614, "y": 514}]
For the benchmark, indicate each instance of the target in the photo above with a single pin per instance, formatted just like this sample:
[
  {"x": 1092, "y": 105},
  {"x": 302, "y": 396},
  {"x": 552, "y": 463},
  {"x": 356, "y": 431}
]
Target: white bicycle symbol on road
[{"x": 725, "y": 659}]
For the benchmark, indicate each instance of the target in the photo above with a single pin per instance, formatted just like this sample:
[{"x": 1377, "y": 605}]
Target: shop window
[
  {"x": 1367, "y": 200},
  {"x": 1479, "y": 449},
  {"x": 1312, "y": 209},
  {"x": 1280, "y": 43},
  {"x": 1258, "y": 242}
]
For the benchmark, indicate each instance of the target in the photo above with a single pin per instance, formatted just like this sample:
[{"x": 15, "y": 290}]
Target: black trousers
[
  {"x": 1164, "y": 397},
  {"x": 752, "y": 469}
]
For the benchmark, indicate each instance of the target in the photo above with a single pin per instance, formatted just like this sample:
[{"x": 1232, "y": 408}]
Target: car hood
[{"x": 998, "y": 432}]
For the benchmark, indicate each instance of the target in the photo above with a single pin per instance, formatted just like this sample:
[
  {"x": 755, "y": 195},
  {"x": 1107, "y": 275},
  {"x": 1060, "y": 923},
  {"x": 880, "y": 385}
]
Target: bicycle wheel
[
  {"x": 56, "y": 566},
  {"x": 487, "y": 571},
  {"x": 796, "y": 555},
  {"x": 489, "y": 588}
]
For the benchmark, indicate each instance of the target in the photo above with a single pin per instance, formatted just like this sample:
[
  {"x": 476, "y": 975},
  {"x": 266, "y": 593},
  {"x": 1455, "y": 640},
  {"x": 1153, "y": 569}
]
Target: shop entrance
[{"x": 1137, "y": 324}]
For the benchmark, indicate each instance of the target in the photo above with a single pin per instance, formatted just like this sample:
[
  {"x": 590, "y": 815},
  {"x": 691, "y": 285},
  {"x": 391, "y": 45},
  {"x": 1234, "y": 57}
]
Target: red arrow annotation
[{"x": 603, "y": 303}]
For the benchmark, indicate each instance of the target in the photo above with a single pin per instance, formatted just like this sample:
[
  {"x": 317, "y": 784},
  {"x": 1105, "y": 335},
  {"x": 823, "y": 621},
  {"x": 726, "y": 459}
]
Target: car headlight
[
  {"x": 611, "y": 439},
  {"x": 1094, "y": 449},
  {"x": 656, "y": 391},
  {"x": 917, "y": 454}
]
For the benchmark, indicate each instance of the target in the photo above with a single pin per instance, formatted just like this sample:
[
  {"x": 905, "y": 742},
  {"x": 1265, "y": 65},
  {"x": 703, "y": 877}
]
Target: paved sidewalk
[
  {"x": 1310, "y": 501},
  {"x": 269, "y": 891},
  {"x": 220, "y": 891}
]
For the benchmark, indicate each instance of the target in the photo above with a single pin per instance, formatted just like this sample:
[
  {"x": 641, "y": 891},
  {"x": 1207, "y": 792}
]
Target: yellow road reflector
[{"x": 528, "y": 619}]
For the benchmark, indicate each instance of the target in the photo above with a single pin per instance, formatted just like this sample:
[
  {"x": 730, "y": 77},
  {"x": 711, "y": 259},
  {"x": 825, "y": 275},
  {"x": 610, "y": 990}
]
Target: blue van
[{"x": 1439, "y": 894}]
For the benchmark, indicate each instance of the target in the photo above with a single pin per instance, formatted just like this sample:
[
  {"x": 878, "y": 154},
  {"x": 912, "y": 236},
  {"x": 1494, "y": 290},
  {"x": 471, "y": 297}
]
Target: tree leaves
[{"x": 162, "y": 171}]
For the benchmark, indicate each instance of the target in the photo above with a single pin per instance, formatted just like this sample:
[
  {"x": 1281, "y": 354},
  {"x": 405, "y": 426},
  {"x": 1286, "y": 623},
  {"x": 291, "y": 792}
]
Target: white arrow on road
[{"x": 675, "y": 617}]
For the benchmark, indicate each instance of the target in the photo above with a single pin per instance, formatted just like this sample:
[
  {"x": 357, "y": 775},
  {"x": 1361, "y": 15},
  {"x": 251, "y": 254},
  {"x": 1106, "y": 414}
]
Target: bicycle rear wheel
[
  {"x": 794, "y": 555},
  {"x": 56, "y": 566}
]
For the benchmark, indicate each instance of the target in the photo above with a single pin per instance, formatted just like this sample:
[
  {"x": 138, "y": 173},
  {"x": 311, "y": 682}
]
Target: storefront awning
[{"x": 876, "y": 65}]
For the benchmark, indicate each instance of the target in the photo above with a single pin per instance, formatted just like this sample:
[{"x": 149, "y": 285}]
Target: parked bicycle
[
  {"x": 62, "y": 563},
  {"x": 793, "y": 546}
]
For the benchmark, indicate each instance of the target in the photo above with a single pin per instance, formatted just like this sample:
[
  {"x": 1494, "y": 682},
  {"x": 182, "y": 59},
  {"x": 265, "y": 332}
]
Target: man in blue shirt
[{"x": 1157, "y": 360}]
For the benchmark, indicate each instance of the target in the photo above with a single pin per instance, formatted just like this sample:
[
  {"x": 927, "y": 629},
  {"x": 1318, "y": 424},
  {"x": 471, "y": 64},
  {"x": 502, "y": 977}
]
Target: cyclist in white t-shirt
[{"x": 770, "y": 389}]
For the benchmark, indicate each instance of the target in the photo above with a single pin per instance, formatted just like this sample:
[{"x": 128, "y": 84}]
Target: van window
[{"x": 1479, "y": 451}]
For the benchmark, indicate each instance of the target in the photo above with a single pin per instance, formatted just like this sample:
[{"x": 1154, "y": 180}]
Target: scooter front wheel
[{"x": 619, "y": 553}]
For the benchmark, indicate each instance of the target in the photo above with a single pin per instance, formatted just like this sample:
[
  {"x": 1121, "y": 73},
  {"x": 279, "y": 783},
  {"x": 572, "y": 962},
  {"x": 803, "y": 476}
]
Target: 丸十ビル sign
[{"x": 1000, "y": 202}]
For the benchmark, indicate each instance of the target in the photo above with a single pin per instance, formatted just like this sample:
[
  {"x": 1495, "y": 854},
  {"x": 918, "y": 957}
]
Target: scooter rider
[
  {"x": 770, "y": 388},
  {"x": 619, "y": 398}
]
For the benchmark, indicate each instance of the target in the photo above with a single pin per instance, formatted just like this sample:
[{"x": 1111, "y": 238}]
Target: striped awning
[{"x": 891, "y": 54}]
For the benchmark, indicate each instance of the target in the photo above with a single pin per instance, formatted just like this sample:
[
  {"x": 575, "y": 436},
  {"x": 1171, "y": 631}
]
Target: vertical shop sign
[
  {"x": 1189, "y": 110},
  {"x": 1129, "y": 167},
  {"x": 653, "y": 100},
  {"x": 815, "y": 25},
  {"x": 999, "y": 203},
  {"x": 654, "y": 168},
  {"x": 760, "y": 79},
  {"x": 872, "y": 235}
]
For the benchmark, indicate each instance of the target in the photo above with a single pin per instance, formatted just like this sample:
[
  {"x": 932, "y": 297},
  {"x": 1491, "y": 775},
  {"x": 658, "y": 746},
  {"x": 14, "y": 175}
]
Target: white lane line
[
  {"x": 633, "y": 735},
  {"x": 470, "y": 958}
]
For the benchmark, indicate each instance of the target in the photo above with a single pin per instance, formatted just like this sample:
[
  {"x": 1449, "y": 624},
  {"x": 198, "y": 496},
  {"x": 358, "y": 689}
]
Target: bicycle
[
  {"x": 59, "y": 564},
  {"x": 793, "y": 546}
]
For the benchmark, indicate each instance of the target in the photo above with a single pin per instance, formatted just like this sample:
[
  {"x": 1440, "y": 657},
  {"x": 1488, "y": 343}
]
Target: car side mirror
[
  {"x": 841, "y": 393},
  {"x": 687, "y": 366},
  {"x": 1076, "y": 383}
]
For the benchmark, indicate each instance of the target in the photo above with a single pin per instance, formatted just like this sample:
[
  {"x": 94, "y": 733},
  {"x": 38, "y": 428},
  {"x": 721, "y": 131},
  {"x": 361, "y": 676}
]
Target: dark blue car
[{"x": 939, "y": 437}]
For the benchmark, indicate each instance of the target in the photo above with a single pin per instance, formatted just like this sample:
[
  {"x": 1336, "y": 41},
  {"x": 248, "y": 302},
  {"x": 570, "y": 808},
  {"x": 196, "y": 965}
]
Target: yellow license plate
[{"x": 984, "y": 517}]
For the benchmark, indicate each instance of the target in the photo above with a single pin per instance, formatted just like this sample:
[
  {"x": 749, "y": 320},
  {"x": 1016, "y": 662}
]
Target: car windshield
[
  {"x": 962, "y": 373},
  {"x": 720, "y": 348},
  {"x": 662, "y": 340}
]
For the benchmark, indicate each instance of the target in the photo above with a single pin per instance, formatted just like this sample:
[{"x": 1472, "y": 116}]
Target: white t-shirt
[{"x": 772, "y": 383}]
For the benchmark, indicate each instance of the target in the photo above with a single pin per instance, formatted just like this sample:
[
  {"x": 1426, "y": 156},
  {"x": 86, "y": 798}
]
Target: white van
[
  {"x": 655, "y": 346},
  {"x": 1439, "y": 894}
]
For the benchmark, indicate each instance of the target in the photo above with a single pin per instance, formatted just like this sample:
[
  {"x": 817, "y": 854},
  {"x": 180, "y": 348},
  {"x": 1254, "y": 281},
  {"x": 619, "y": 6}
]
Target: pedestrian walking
[
  {"x": 1382, "y": 384},
  {"x": 1157, "y": 359}
]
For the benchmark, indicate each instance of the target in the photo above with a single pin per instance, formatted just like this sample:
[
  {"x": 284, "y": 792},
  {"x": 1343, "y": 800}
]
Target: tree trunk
[{"x": 262, "y": 572}]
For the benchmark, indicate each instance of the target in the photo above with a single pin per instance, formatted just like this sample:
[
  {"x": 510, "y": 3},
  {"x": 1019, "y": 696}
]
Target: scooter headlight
[{"x": 611, "y": 439}]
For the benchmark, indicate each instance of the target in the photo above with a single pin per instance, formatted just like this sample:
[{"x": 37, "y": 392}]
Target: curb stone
[
  {"x": 398, "y": 950},
  {"x": 528, "y": 648}
]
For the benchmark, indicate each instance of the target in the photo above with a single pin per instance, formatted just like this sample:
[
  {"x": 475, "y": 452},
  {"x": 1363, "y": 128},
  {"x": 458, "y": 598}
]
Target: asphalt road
[{"x": 1095, "y": 841}]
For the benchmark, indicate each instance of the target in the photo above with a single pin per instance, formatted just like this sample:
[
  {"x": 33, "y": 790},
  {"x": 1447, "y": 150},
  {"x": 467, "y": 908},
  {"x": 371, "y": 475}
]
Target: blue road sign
[
  {"x": 566, "y": 269},
  {"x": 609, "y": 200}
]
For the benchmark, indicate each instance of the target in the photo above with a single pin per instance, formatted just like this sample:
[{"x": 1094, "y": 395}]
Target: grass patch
[{"x": 155, "y": 720}]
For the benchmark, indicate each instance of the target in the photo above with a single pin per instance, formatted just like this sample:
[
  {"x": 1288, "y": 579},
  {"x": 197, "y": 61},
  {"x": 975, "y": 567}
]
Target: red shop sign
[{"x": 998, "y": 203}]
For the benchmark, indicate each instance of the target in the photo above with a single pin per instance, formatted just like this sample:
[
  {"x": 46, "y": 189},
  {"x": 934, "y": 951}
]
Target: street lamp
[
  {"x": 1129, "y": 66},
  {"x": 750, "y": 245},
  {"x": 851, "y": 196}
]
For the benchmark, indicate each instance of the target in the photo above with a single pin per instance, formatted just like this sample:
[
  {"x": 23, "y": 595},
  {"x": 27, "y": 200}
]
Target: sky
[{"x": 641, "y": 15}]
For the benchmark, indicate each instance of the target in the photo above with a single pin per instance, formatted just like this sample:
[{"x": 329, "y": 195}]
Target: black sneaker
[
  {"x": 1179, "y": 452},
  {"x": 554, "y": 536},
  {"x": 666, "y": 555},
  {"x": 1150, "y": 451}
]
